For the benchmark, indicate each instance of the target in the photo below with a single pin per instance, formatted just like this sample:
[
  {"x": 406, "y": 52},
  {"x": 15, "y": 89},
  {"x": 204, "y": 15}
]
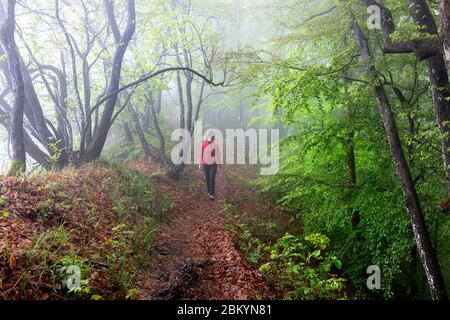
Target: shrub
[{"x": 305, "y": 270}]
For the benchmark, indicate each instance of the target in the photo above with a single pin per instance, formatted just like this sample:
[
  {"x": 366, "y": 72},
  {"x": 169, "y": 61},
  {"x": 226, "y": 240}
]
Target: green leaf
[
  {"x": 338, "y": 264},
  {"x": 316, "y": 253},
  {"x": 4, "y": 214},
  {"x": 265, "y": 267}
]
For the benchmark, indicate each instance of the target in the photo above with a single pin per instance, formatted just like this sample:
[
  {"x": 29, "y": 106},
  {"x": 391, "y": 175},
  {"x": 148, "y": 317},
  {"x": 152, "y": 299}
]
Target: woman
[{"x": 209, "y": 153}]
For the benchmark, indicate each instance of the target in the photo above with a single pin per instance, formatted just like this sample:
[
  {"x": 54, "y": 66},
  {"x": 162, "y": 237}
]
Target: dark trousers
[{"x": 210, "y": 175}]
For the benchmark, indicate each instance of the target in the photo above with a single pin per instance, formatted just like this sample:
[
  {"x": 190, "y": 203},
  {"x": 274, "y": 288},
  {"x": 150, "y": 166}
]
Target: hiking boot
[{"x": 211, "y": 197}]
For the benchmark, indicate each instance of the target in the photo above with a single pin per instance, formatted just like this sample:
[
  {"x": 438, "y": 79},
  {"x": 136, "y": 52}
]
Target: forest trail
[{"x": 196, "y": 257}]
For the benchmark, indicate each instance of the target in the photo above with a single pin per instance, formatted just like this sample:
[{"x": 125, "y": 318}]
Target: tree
[
  {"x": 314, "y": 84},
  {"x": 7, "y": 38},
  {"x": 412, "y": 204},
  {"x": 426, "y": 48},
  {"x": 122, "y": 41},
  {"x": 445, "y": 29}
]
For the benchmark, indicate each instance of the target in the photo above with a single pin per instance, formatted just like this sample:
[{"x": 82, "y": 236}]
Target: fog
[{"x": 220, "y": 38}]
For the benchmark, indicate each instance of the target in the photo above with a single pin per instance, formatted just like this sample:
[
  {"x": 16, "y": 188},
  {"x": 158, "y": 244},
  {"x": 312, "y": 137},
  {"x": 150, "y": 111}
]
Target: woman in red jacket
[{"x": 210, "y": 152}]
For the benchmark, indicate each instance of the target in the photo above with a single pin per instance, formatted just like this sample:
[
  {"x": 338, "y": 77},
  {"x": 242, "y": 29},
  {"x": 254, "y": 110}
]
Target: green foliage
[
  {"x": 143, "y": 240},
  {"x": 127, "y": 252},
  {"x": 305, "y": 270},
  {"x": 310, "y": 82},
  {"x": 327, "y": 116},
  {"x": 51, "y": 256},
  {"x": 62, "y": 274},
  {"x": 45, "y": 210},
  {"x": 133, "y": 294},
  {"x": 252, "y": 247},
  {"x": 55, "y": 151},
  {"x": 136, "y": 194},
  {"x": 140, "y": 207},
  {"x": 3, "y": 213},
  {"x": 49, "y": 245},
  {"x": 118, "y": 255},
  {"x": 110, "y": 263},
  {"x": 312, "y": 182}
]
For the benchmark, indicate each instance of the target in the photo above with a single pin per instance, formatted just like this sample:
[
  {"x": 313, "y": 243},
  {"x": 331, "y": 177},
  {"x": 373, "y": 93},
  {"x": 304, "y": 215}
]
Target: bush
[{"x": 305, "y": 270}]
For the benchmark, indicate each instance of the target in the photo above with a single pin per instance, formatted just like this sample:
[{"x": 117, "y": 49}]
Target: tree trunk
[
  {"x": 189, "y": 80},
  {"x": 155, "y": 121},
  {"x": 425, "y": 48},
  {"x": 181, "y": 101},
  {"x": 158, "y": 102},
  {"x": 7, "y": 29},
  {"x": 149, "y": 151},
  {"x": 128, "y": 134},
  {"x": 411, "y": 124},
  {"x": 76, "y": 90},
  {"x": 437, "y": 72},
  {"x": 96, "y": 146},
  {"x": 34, "y": 113},
  {"x": 140, "y": 133},
  {"x": 146, "y": 118},
  {"x": 31, "y": 148},
  {"x": 199, "y": 104},
  {"x": 445, "y": 29},
  {"x": 413, "y": 208},
  {"x": 87, "y": 101},
  {"x": 58, "y": 146}
]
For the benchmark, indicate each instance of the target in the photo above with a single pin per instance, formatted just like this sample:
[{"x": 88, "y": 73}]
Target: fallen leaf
[
  {"x": 12, "y": 262},
  {"x": 26, "y": 244}
]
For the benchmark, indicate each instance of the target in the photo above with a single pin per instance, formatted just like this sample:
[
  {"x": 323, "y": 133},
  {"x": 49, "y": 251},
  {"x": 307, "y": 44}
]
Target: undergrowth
[
  {"x": 298, "y": 268},
  {"x": 98, "y": 221}
]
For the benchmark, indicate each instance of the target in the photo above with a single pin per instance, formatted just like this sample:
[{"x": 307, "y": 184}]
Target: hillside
[{"x": 134, "y": 233}]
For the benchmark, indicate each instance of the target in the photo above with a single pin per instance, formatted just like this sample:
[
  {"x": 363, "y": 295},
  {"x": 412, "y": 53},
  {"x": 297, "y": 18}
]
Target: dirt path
[{"x": 196, "y": 256}]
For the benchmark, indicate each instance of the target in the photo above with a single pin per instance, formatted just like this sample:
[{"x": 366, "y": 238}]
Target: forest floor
[
  {"x": 197, "y": 257},
  {"x": 198, "y": 252},
  {"x": 103, "y": 218}
]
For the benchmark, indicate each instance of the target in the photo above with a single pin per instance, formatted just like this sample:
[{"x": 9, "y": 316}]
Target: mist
[{"x": 353, "y": 98}]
